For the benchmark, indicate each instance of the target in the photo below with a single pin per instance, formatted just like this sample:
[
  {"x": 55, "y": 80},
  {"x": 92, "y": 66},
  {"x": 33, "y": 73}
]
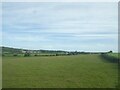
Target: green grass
[{"x": 80, "y": 71}]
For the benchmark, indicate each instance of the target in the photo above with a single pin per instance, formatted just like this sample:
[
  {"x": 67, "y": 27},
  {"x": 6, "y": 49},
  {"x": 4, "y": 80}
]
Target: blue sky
[{"x": 61, "y": 26}]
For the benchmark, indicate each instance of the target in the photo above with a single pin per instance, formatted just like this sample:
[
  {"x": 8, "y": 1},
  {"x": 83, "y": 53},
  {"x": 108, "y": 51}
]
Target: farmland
[{"x": 74, "y": 71}]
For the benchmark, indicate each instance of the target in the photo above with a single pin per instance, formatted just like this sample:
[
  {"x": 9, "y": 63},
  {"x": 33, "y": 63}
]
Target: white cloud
[
  {"x": 52, "y": 23},
  {"x": 23, "y": 37},
  {"x": 60, "y": 1}
]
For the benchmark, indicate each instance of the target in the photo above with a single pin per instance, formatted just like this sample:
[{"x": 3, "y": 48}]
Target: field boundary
[{"x": 109, "y": 58}]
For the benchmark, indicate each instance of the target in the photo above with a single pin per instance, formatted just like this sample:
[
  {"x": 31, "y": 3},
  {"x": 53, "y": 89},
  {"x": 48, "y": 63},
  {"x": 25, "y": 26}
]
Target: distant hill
[{"x": 9, "y": 50}]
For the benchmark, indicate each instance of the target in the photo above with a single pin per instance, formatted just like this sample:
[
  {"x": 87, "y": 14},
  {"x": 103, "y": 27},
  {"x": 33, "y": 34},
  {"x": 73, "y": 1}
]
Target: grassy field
[{"x": 78, "y": 71}]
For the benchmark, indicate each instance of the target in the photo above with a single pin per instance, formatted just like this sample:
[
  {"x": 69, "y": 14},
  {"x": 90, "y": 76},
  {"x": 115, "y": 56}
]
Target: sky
[{"x": 81, "y": 26}]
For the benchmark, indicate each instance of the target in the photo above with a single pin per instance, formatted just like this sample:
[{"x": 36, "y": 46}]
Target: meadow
[{"x": 75, "y": 71}]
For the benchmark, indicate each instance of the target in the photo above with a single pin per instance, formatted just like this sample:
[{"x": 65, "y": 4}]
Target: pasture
[{"x": 75, "y": 71}]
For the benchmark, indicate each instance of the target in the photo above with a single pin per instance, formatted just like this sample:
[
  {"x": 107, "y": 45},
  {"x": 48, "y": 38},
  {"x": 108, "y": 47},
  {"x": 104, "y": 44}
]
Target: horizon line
[{"x": 56, "y": 49}]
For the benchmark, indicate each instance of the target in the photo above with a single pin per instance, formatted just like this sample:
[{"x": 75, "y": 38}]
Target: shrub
[
  {"x": 56, "y": 54},
  {"x": 35, "y": 55},
  {"x": 110, "y": 52},
  {"x": 15, "y": 55},
  {"x": 26, "y": 54}
]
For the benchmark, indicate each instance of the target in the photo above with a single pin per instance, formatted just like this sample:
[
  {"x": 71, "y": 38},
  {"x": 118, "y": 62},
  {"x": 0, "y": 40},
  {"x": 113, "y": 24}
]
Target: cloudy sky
[{"x": 62, "y": 26}]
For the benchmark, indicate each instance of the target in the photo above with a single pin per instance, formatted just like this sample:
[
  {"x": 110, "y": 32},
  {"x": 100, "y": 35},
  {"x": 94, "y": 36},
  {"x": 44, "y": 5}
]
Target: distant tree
[
  {"x": 56, "y": 54},
  {"x": 103, "y": 53},
  {"x": 75, "y": 53},
  {"x": 110, "y": 52},
  {"x": 35, "y": 55},
  {"x": 26, "y": 54},
  {"x": 15, "y": 54}
]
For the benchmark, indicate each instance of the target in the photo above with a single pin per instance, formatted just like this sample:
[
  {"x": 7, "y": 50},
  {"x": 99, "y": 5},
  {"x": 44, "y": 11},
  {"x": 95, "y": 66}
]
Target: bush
[
  {"x": 15, "y": 55},
  {"x": 110, "y": 52},
  {"x": 35, "y": 55},
  {"x": 26, "y": 54},
  {"x": 56, "y": 54}
]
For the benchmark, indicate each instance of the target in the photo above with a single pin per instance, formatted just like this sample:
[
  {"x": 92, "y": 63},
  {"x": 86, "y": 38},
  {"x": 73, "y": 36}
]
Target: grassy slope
[{"x": 62, "y": 71}]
